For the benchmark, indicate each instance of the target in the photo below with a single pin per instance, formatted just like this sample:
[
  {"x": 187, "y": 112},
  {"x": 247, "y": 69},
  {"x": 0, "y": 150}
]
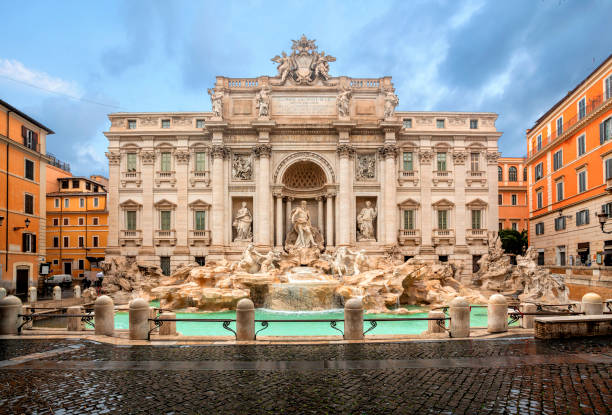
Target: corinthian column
[
  {"x": 279, "y": 219},
  {"x": 344, "y": 194},
  {"x": 389, "y": 153},
  {"x": 329, "y": 220},
  {"x": 264, "y": 211},
  {"x": 218, "y": 153},
  {"x": 114, "y": 159}
]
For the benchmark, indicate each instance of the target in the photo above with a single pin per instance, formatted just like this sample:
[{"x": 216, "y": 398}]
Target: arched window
[
  {"x": 512, "y": 174},
  {"x": 500, "y": 174}
]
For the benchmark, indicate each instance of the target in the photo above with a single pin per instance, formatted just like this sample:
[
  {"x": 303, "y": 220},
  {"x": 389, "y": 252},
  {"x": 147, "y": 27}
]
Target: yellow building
[{"x": 77, "y": 226}]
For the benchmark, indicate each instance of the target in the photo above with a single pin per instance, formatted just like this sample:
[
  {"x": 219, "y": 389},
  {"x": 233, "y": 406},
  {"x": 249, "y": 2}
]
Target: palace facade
[{"x": 196, "y": 186}]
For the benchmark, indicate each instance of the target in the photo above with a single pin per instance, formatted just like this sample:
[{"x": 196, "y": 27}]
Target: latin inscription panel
[{"x": 303, "y": 105}]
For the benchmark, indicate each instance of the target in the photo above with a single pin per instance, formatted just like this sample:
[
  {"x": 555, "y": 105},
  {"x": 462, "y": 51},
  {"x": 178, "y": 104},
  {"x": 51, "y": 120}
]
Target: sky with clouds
[{"x": 70, "y": 63}]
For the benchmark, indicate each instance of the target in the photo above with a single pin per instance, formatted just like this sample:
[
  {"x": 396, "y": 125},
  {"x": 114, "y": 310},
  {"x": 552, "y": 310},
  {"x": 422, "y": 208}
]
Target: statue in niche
[
  {"x": 300, "y": 217},
  {"x": 342, "y": 101},
  {"x": 366, "y": 166},
  {"x": 391, "y": 101},
  {"x": 262, "y": 102},
  {"x": 242, "y": 223},
  {"x": 216, "y": 99},
  {"x": 241, "y": 167},
  {"x": 365, "y": 220}
]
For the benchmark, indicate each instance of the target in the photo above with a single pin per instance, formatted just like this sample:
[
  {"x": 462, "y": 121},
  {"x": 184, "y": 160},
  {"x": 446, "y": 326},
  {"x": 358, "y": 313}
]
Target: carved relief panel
[
  {"x": 365, "y": 167},
  {"x": 242, "y": 167}
]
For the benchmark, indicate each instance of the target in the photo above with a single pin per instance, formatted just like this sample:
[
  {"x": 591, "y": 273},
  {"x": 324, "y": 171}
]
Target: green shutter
[
  {"x": 165, "y": 220},
  {"x": 130, "y": 220},
  {"x": 200, "y": 162},
  {"x": 200, "y": 220}
]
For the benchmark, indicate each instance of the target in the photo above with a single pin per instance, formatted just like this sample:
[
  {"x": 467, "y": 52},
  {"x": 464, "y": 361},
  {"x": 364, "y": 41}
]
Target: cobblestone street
[{"x": 454, "y": 377}]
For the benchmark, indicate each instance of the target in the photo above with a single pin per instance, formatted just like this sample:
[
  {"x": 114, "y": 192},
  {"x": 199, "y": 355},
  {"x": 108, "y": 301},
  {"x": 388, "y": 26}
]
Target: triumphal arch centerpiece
[{"x": 302, "y": 159}]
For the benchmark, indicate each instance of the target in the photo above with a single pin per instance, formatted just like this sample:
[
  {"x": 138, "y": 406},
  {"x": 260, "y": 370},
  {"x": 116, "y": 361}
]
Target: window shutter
[
  {"x": 586, "y": 216},
  {"x": 24, "y": 242},
  {"x": 601, "y": 132},
  {"x": 24, "y": 131},
  {"x": 35, "y": 141},
  {"x": 577, "y": 218},
  {"x": 33, "y": 243}
]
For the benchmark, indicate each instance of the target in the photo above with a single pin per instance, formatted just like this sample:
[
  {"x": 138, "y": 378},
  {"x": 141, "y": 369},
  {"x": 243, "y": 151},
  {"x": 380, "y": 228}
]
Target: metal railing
[{"x": 85, "y": 318}]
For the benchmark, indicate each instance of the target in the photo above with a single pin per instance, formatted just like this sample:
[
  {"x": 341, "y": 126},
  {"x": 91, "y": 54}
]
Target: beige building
[{"x": 203, "y": 185}]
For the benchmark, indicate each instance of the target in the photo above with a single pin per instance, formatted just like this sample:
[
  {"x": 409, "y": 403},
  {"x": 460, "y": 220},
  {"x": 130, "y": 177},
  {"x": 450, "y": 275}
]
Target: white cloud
[{"x": 13, "y": 69}]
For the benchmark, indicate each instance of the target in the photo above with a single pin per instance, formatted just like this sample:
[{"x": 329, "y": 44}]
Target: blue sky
[{"x": 516, "y": 58}]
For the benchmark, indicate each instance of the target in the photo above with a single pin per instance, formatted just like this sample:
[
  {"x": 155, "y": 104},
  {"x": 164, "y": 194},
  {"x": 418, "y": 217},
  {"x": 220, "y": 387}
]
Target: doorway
[
  {"x": 21, "y": 281},
  {"x": 68, "y": 268}
]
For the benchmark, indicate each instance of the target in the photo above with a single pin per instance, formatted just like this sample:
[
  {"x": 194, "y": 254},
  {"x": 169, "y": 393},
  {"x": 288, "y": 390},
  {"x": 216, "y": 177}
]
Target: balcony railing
[
  {"x": 474, "y": 176},
  {"x": 409, "y": 236},
  {"x": 199, "y": 177},
  {"x": 199, "y": 237},
  {"x": 130, "y": 177},
  {"x": 443, "y": 176},
  {"x": 130, "y": 236},
  {"x": 446, "y": 236},
  {"x": 408, "y": 176},
  {"x": 168, "y": 236},
  {"x": 476, "y": 234},
  {"x": 163, "y": 177}
]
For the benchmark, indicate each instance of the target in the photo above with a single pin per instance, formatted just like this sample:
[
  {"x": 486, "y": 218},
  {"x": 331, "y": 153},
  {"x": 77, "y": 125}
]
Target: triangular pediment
[
  {"x": 199, "y": 204},
  {"x": 130, "y": 203},
  {"x": 409, "y": 203},
  {"x": 443, "y": 203},
  {"x": 477, "y": 203},
  {"x": 164, "y": 203}
]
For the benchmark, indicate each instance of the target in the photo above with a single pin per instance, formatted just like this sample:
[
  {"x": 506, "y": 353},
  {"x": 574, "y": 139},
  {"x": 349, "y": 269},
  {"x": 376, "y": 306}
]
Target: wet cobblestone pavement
[{"x": 520, "y": 376}]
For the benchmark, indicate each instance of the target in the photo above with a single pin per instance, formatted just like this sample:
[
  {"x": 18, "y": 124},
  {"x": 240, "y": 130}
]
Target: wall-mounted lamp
[
  {"x": 27, "y": 225},
  {"x": 603, "y": 216}
]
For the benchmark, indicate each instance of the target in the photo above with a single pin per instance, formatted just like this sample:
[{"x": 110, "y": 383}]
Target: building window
[
  {"x": 512, "y": 174},
  {"x": 539, "y": 228},
  {"x": 200, "y": 220},
  {"x": 200, "y": 260},
  {"x": 28, "y": 204},
  {"x": 525, "y": 174},
  {"x": 200, "y": 161},
  {"x": 559, "y": 126},
  {"x": 199, "y": 123},
  {"x": 166, "y": 161},
  {"x": 475, "y": 161},
  {"x": 29, "y": 169},
  {"x": 539, "y": 141},
  {"x": 558, "y": 160},
  {"x": 130, "y": 220},
  {"x": 131, "y": 162},
  {"x": 540, "y": 200},
  {"x": 66, "y": 221},
  {"x": 443, "y": 219},
  {"x": 409, "y": 219},
  {"x": 95, "y": 202},
  {"x": 131, "y": 124},
  {"x": 75, "y": 184},
  {"x": 608, "y": 168},
  {"x": 66, "y": 241},
  {"x": 500, "y": 174},
  {"x": 441, "y": 161},
  {"x": 164, "y": 220},
  {"x": 81, "y": 202},
  {"x": 605, "y": 130},
  {"x": 560, "y": 223},
  {"x": 164, "y": 264},
  {"x": 87, "y": 185},
  {"x": 165, "y": 124},
  {"x": 582, "y": 108},
  {"x": 81, "y": 242},
  {"x": 55, "y": 222},
  {"x": 500, "y": 199},
  {"x": 81, "y": 264},
  {"x": 514, "y": 200},
  {"x": 95, "y": 241},
  {"x": 28, "y": 242},
  {"x": 407, "y": 123},
  {"x": 582, "y": 181},
  {"x": 581, "y": 145},
  {"x": 608, "y": 87},
  {"x": 439, "y": 123},
  {"x": 582, "y": 217},
  {"x": 607, "y": 209},
  {"x": 476, "y": 219},
  {"x": 473, "y": 124},
  {"x": 30, "y": 138},
  {"x": 65, "y": 184},
  {"x": 559, "y": 190},
  {"x": 514, "y": 226},
  {"x": 561, "y": 255},
  {"x": 500, "y": 226},
  {"x": 95, "y": 221},
  {"x": 407, "y": 161},
  {"x": 55, "y": 262},
  {"x": 56, "y": 203},
  {"x": 55, "y": 242},
  {"x": 81, "y": 221},
  {"x": 95, "y": 189},
  {"x": 539, "y": 171},
  {"x": 66, "y": 203}
]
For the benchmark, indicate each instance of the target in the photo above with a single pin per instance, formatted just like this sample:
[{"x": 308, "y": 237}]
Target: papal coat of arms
[{"x": 305, "y": 64}]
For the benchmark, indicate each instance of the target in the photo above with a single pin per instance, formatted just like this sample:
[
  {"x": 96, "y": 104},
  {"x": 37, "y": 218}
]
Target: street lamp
[
  {"x": 27, "y": 225},
  {"x": 603, "y": 216}
]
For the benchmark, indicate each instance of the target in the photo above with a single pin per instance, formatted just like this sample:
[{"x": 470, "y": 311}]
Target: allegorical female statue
[
  {"x": 365, "y": 220},
  {"x": 242, "y": 223}
]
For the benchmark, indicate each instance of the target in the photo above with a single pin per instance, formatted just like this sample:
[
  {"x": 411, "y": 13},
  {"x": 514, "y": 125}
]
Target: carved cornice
[
  {"x": 345, "y": 150},
  {"x": 262, "y": 150},
  {"x": 113, "y": 157},
  {"x": 182, "y": 156},
  {"x": 492, "y": 157},
  {"x": 459, "y": 157},
  {"x": 426, "y": 156},
  {"x": 147, "y": 157},
  {"x": 388, "y": 150},
  {"x": 219, "y": 151}
]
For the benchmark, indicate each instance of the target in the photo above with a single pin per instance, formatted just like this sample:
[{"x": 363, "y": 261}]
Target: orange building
[
  {"x": 22, "y": 198},
  {"x": 569, "y": 162},
  {"x": 77, "y": 225},
  {"x": 512, "y": 193}
]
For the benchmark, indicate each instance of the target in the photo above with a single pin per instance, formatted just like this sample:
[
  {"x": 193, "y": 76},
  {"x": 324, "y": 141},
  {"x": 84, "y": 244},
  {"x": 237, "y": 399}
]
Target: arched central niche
[{"x": 304, "y": 175}]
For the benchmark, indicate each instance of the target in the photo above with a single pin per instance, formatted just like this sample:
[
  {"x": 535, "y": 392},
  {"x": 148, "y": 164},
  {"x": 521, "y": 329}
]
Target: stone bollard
[
  {"x": 2, "y": 292},
  {"x": 460, "y": 317},
  {"x": 245, "y": 320},
  {"x": 32, "y": 295},
  {"x": 77, "y": 291},
  {"x": 74, "y": 323},
  {"x": 104, "y": 311},
  {"x": 169, "y": 327},
  {"x": 497, "y": 311},
  {"x": 139, "y": 319},
  {"x": 353, "y": 319},
  {"x": 592, "y": 304},
  {"x": 527, "y": 321},
  {"x": 432, "y": 325},
  {"x": 57, "y": 293},
  {"x": 10, "y": 307}
]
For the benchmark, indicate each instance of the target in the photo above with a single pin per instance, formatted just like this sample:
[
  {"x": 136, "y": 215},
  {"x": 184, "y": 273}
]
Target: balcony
[
  {"x": 408, "y": 176},
  {"x": 199, "y": 237},
  {"x": 409, "y": 237},
  {"x": 130, "y": 238},
  {"x": 443, "y": 237},
  {"x": 165, "y": 237},
  {"x": 442, "y": 176},
  {"x": 199, "y": 178},
  {"x": 165, "y": 178},
  {"x": 473, "y": 235},
  {"x": 130, "y": 179},
  {"x": 476, "y": 177}
]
